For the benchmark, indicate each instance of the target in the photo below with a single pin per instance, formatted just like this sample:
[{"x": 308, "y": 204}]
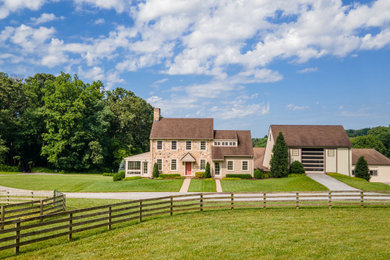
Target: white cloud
[
  {"x": 99, "y": 21},
  {"x": 8, "y": 6},
  {"x": 45, "y": 17},
  {"x": 307, "y": 70},
  {"x": 118, "y": 5},
  {"x": 293, "y": 107},
  {"x": 160, "y": 81}
]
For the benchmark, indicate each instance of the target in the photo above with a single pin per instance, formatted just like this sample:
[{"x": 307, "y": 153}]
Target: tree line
[
  {"x": 377, "y": 138},
  {"x": 63, "y": 123}
]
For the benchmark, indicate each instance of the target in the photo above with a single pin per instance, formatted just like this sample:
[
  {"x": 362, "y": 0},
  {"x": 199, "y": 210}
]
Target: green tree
[
  {"x": 368, "y": 141},
  {"x": 260, "y": 142},
  {"x": 207, "y": 172},
  {"x": 361, "y": 169},
  {"x": 3, "y": 150},
  {"x": 279, "y": 160},
  {"x": 155, "y": 173}
]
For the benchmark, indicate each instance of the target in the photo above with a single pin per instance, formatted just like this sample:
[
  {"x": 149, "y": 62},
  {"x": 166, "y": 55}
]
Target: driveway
[{"x": 330, "y": 183}]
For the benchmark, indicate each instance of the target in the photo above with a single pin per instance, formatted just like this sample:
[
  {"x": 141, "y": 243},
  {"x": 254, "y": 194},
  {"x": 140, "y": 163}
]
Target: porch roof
[
  {"x": 188, "y": 158},
  {"x": 139, "y": 157}
]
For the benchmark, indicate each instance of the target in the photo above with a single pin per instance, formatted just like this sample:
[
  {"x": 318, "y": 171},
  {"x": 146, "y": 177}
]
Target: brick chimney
[{"x": 156, "y": 114}]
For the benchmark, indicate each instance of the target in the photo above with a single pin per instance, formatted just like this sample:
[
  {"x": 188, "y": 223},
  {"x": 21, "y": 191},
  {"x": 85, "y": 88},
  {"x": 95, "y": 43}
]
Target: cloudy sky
[{"x": 248, "y": 64}]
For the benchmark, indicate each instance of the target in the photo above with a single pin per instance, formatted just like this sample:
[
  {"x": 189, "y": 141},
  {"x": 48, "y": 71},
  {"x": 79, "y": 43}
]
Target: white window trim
[
  {"x": 176, "y": 165},
  {"x": 242, "y": 168},
  {"x": 143, "y": 167},
  {"x": 200, "y": 163},
  {"x": 186, "y": 145},
  {"x": 227, "y": 165},
  {"x": 294, "y": 150},
  {"x": 162, "y": 163},
  {"x": 215, "y": 169},
  {"x": 162, "y": 144},
  {"x": 176, "y": 145},
  {"x": 333, "y": 153},
  {"x": 205, "y": 146}
]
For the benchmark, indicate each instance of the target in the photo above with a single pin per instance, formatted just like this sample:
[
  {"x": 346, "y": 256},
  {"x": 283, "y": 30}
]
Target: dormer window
[{"x": 225, "y": 143}]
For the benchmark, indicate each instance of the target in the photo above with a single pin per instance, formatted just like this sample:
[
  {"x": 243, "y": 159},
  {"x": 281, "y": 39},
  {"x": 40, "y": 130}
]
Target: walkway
[
  {"x": 329, "y": 182},
  {"x": 219, "y": 186},
  {"x": 185, "y": 185}
]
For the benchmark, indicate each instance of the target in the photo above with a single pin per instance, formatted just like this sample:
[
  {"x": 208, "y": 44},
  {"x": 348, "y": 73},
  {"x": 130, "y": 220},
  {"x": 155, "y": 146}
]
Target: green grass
[
  {"x": 202, "y": 186},
  {"x": 359, "y": 183},
  {"x": 86, "y": 183},
  {"x": 293, "y": 183},
  {"x": 72, "y": 204},
  {"x": 339, "y": 233}
]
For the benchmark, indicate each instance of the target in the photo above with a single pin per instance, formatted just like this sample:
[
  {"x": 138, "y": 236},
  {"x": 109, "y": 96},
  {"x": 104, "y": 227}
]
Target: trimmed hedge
[
  {"x": 118, "y": 176},
  {"x": 170, "y": 176},
  {"x": 132, "y": 178},
  {"x": 200, "y": 175},
  {"x": 258, "y": 174},
  {"x": 230, "y": 179},
  {"x": 241, "y": 176}
]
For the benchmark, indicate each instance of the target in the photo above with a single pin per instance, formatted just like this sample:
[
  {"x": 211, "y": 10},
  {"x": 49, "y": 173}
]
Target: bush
[
  {"x": 241, "y": 176},
  {"x": 297, "y": 167},
  {"x": 230, "y": 179},
  {"x": 43, "y": 169},
  {"x": 6, "y": 168},
  {"x": 108, "y": 174},
  {"x": 155, "y": 171},
  {"x": 118, "y": 176},
  {"x": 207, "y": 172},
  {"x": 132, "y": 178},
  {"x": 170, "y": 176},
  {"x": 361, "y": 169},
  {"x": 200, "y": 175},
  {"x": 279, "y": 160},
  {"x": 258, "y": 174}
]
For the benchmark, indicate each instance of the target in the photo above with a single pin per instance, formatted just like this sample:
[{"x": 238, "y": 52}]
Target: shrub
[
  {"x": 6, "y": 168},
  {"x": 361, "y": 169},
  {"x": 200, "y": 175},
  {"x": 170, "y": 176},
  {"x": 241, "y": 176},
  {"x": 155, "y": 171},
  {"x": 297, "y": 167},
  {"x": 108, "y": 174},
  {"x": 230, "y": 179},
  {"x": 279, "y": 160},
  {"x": 118, "y": 176},
  {"x": 258, "y": 174},
  {"x": 132, "y": 178},
  {"x": 207, "y": 172}
]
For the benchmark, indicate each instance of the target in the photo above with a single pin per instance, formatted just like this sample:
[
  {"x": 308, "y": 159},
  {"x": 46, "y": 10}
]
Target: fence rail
[{"x": 21, "y": 232}]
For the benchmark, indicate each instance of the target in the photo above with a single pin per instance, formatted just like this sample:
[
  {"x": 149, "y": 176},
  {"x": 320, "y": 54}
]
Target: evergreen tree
[
  {"x": 207, "y": 172},
  {"x": 279, "y": 160},
  {"x": 155, "y": 171},
  {"x": 361, "y": 169}
]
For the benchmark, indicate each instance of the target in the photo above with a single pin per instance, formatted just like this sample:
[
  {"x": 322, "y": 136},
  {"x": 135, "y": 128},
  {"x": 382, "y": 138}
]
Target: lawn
[
  {"x": 340, "y": 233},
  {"x": 293, "y": 183},
  {"x": 360, "y": 184},
  {"x": 202, "y": 186},
  {"x": 86, "y": 183}
]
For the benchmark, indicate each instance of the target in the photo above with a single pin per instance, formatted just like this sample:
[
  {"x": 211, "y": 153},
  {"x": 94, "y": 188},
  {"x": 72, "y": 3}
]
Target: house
[
  {"x": 320, "y": 148},
  {"x": 378, "y": 164},
  {"x": 185, "y": 145}
]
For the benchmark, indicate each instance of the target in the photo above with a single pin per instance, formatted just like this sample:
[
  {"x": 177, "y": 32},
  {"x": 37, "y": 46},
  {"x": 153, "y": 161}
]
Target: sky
[{"x": 247, "y": 64}]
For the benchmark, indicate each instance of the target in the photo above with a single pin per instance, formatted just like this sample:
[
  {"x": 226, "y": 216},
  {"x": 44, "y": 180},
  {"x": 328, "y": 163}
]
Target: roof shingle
[
  {"x": 183, "y": 128},
  {"x": 372, "y": 156},
  {"x": 244, "y": 147}
]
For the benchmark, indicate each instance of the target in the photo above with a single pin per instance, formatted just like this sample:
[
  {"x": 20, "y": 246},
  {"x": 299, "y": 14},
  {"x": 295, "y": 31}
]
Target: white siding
[
  {"x": 344, "y": 164},
  {"x": 383, "y": 173},
  {"x": 297, "y": 157},
  {"x": 268, "y": 149},
  {"x": 331, "y": 161}
]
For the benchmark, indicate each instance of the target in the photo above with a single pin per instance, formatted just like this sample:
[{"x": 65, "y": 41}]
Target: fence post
[
  {"x": 264, "y": 200},
  {"x": 140, "y": 211},
  {"x": 109, "y": 218},
  {"x": 297, "y": 201},
  {"x": 330, "y": 200},
  {"x": 2, "y": 216},
  {"x": 201, "y": 202},
  {"x": 32, "y": 199},
  {"x": 17, "y": 236},
  {"x": 41, "y": 210},
  {"x": 70, "y": 226},
  {"x": 361, "y": 199},
  {"x": 171, "y": 208},
  {"x": 7, "y": 197}
]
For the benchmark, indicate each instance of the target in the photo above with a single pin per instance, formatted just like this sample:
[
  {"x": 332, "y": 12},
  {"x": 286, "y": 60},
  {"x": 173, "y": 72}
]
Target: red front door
[{"x": 188, "y": 168}]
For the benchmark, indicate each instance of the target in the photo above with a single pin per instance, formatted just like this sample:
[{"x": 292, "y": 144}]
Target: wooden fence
[
  {"x": 14, "y": 205},
  {"x": 21, "y": 232}
]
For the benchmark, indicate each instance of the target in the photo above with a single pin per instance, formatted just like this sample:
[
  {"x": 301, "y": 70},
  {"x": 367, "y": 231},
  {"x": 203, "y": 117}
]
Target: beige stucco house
[
  {"x": 378, "y": 164},
  {"x": 320, "y": 148},
  {"x": 185, "y": 145}
]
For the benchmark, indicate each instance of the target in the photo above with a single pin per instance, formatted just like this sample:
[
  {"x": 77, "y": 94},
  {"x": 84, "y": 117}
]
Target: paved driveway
[{"x": 329, "y": 182}]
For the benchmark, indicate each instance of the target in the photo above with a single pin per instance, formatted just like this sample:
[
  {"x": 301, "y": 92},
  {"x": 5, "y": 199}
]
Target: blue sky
[{"x": 248, "y": 64}]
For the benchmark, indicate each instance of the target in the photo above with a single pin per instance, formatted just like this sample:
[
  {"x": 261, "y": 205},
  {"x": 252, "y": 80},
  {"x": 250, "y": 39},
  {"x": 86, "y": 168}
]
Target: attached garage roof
[
  {"x": 183, "y": 128},
  {"x": 312, "y": 135},
  {"x": 244, "y": 147},
  {"x": 372, "y": 156}
]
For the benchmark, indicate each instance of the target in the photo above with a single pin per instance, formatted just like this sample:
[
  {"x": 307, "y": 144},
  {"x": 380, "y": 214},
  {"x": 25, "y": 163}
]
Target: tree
[
  {"x": 207, "y": 172},
  {"x": 297, "y": 167},
  {"x": 279, "y": 160},
  {"x": 368, "y": 141},
  {"x": 361, "y": 169},
  {"x": 3, "y": 150},
  {"x": 260, "y": 142},
  {"x": 155, "y": 173}
]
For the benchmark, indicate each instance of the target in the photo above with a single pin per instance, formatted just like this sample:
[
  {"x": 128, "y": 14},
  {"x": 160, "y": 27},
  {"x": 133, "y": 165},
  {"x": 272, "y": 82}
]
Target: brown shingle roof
[
  {"x": 372, "y": 156},
  {"x": 244, "y": 147},
  {"x": 183, "y": 128},
  {"x": 313, "y": 135},
  {"x": 258, "y": 153},
  {"x": 225, "y": 134}
]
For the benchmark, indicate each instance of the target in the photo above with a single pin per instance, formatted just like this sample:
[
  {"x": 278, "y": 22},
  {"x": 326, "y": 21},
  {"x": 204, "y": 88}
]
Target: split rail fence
[{"x": 21, "y": 232}]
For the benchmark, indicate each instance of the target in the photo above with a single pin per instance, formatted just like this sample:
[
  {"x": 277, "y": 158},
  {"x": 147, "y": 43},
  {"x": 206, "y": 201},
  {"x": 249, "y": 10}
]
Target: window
[
  {"x": 202, "y": 164},
  {"x": 374, "y": 172},
  {"x": 136, "y": 165},
  {"x": 295, "y": 152},
  {"x": 159, "y": 145},
  {"x": 230, "y": 165},
  {"x": 331, "y": 152},
  {"x": 173, "y": 165},
  {"x": 173, "y": 145},
  {"x": 244, "y": 165},
  {"x": 217, "y": 169},
  {"x": 159, "y": 164},
  {"x": 215, "y": 143},
  {"x": 203, "y": 145},
  {"x": 145, "y": 167},
  {"x": 188, "y": 145}
]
